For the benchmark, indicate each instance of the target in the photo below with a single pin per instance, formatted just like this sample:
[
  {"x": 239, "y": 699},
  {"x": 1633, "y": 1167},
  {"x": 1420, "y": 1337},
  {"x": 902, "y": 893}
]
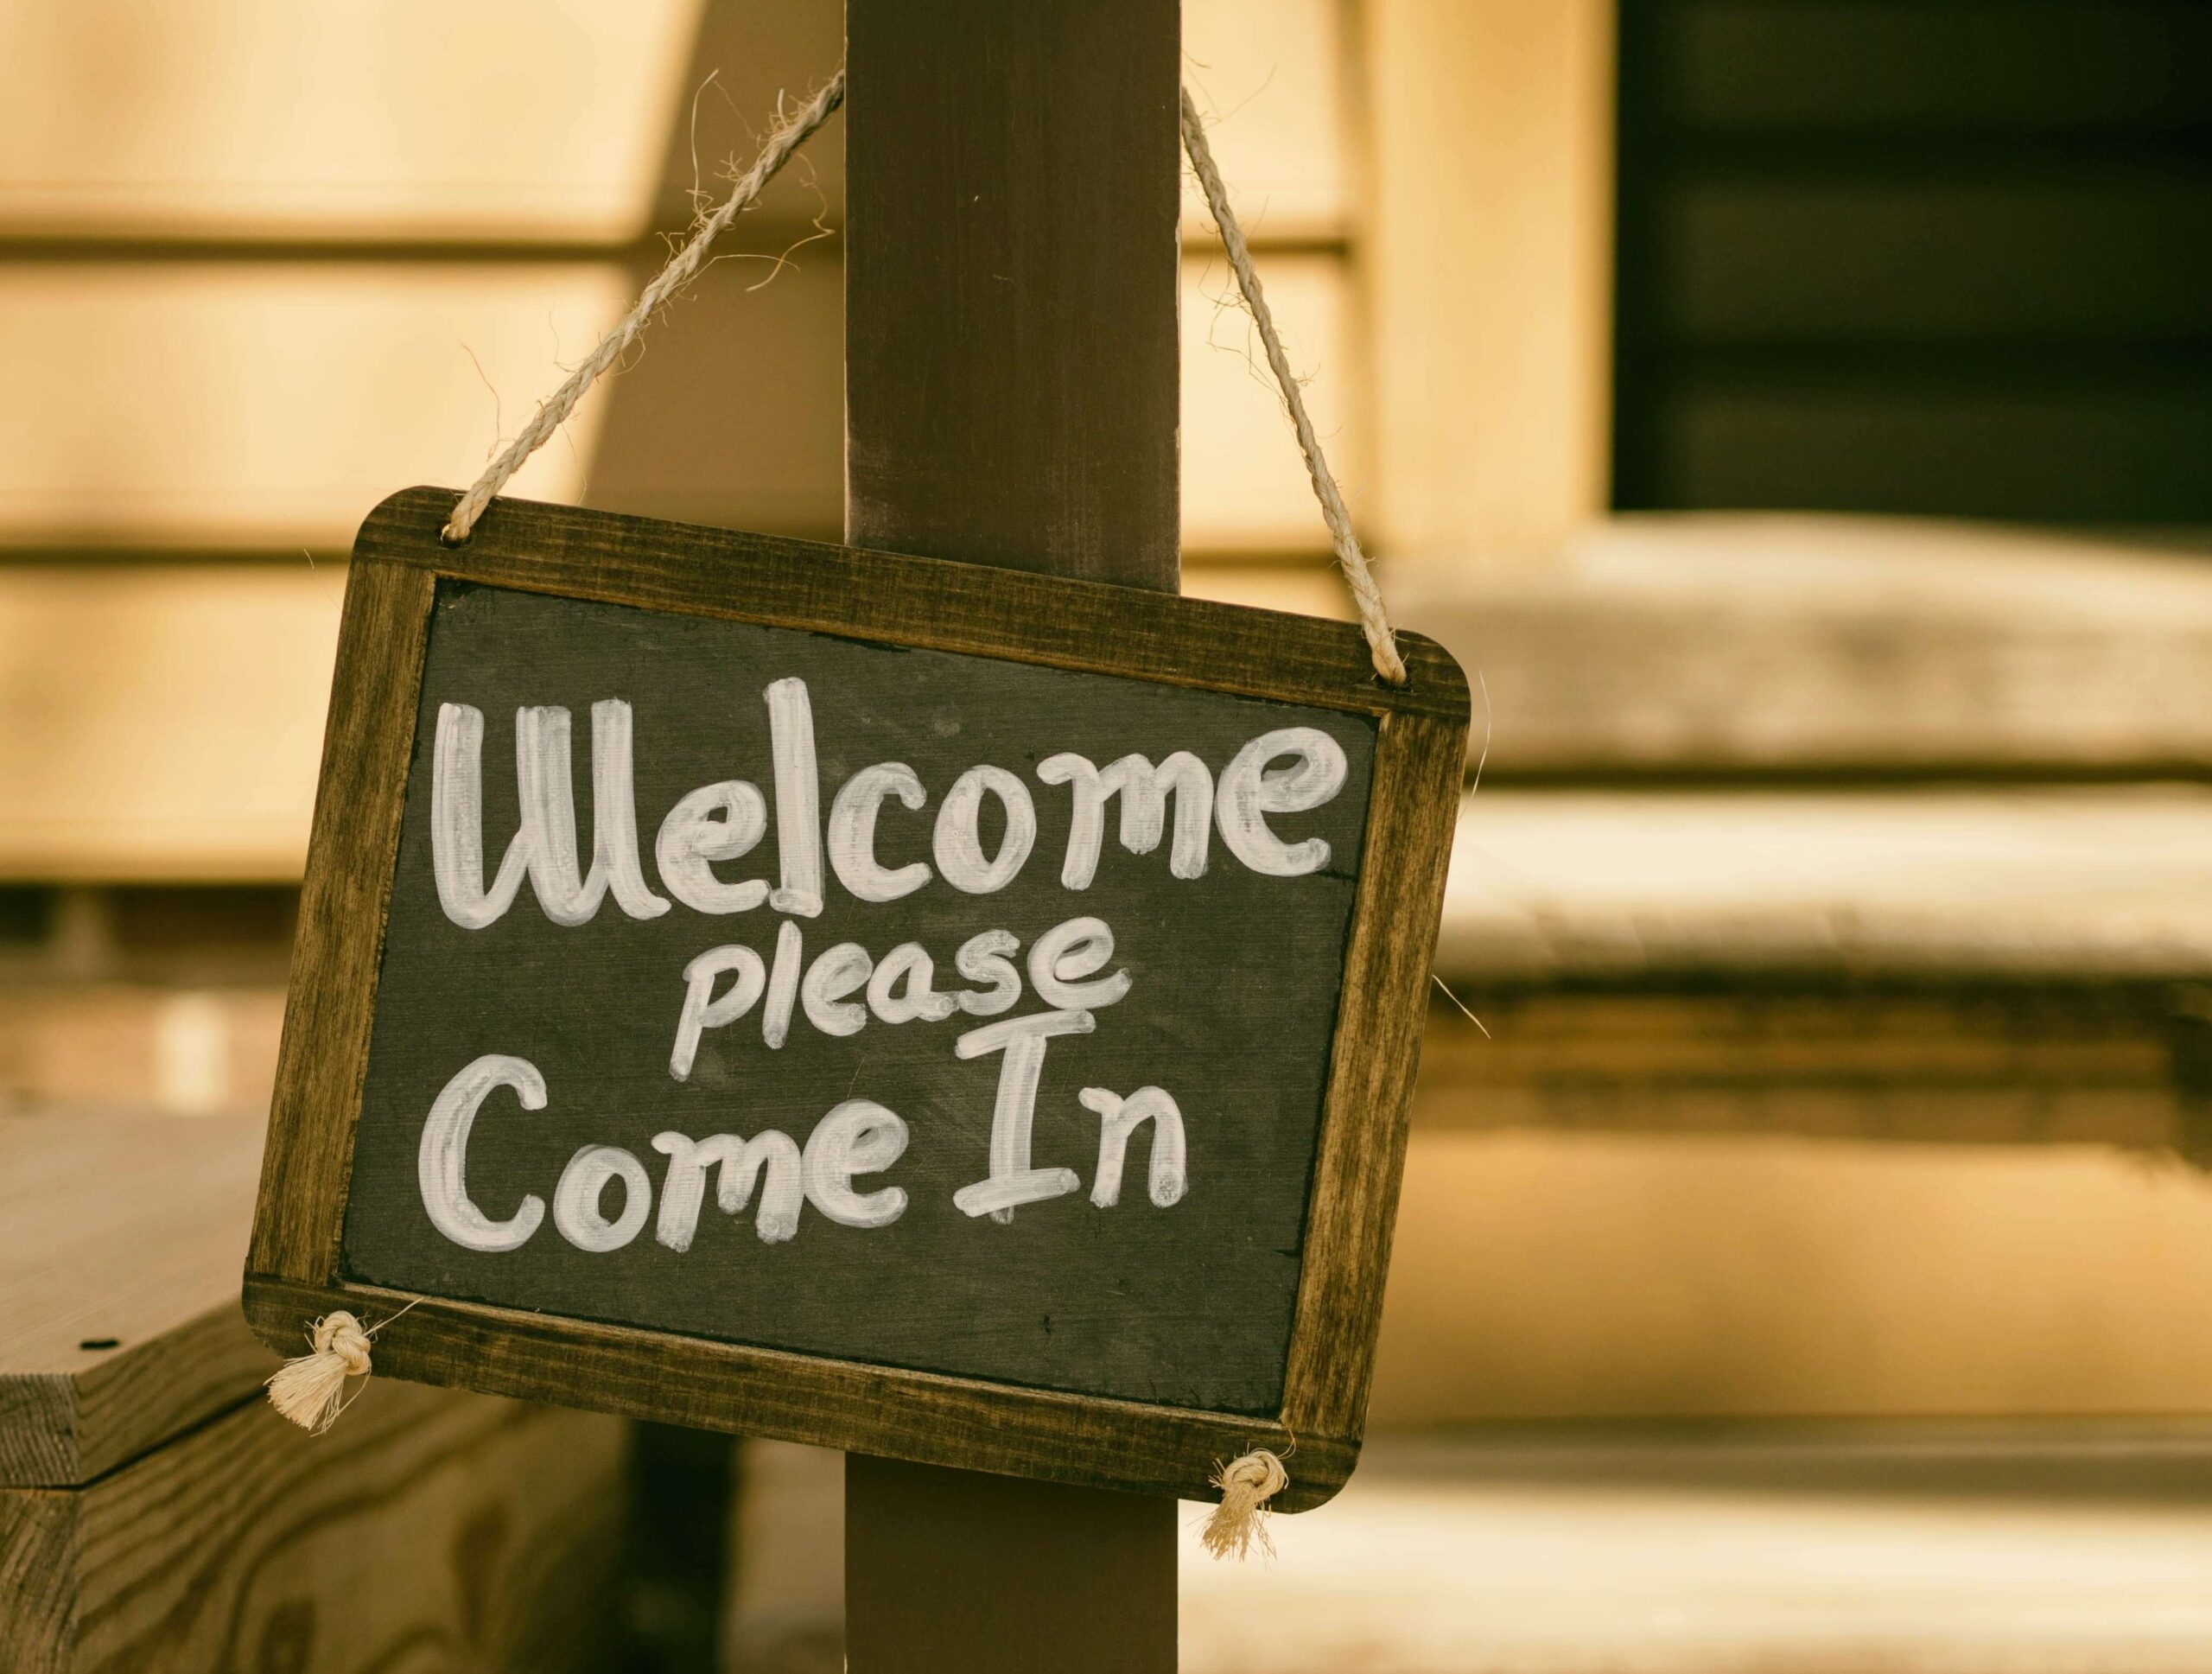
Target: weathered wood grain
[
  {"x": 428, "y": 1530},
  {"x": 692, "y": 1381},
  {"x": 897, "y": 600},
  {"x": 38, "y": 1562},
  {"x": 356, "y": 833},
  {"x": 1387, "y": 966},
  {"x": 119, "y": 1245}
]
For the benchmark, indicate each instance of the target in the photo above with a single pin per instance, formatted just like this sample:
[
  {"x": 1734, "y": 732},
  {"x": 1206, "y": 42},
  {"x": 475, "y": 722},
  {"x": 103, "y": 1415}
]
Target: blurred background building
[{"x": 1800, "y": 411}]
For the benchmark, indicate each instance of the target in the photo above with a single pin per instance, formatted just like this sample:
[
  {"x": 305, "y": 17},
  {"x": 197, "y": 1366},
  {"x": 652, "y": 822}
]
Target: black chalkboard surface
[
  {"x": 955, "y": 1013},
  {"x": 1220, "y": 990}
]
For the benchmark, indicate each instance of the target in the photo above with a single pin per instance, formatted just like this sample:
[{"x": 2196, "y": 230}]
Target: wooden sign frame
[{"x": 293, "y": 1264}]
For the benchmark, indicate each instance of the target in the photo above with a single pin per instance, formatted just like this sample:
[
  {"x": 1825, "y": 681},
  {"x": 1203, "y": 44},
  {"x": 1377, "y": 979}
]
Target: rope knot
[
  {"x": 1240, "y": 1521},
  {"x": 341, "y": 1334},
  {"x": 310, "y": 1389}
]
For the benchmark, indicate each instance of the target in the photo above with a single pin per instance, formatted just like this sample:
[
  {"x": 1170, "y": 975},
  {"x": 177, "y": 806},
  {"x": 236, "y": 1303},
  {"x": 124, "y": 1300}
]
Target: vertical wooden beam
[
  {"x": 956, "y": 1569},
  {"x": 1010, "y": 283},
  {"x": 1011, "y": 398}
]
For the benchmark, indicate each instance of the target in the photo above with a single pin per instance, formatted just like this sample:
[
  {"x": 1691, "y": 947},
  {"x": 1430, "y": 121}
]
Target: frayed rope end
[
  {"x": 1240, "y": 1522},
  {"x": 310, "y": 1389}
]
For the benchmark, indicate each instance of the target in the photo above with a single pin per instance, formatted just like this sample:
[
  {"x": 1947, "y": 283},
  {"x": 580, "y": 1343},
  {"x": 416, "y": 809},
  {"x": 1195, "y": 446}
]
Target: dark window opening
[{"x": 1940, "y": 257}]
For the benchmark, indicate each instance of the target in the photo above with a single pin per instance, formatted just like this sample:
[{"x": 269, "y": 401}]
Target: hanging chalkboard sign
[{"x": 936, "y": 1011}]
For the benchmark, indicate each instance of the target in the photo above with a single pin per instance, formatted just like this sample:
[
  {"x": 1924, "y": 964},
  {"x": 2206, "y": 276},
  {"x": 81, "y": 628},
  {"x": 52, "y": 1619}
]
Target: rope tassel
[
  {"x": 1239, "y": 1523},
  {"x": 310, "y": 1389}
]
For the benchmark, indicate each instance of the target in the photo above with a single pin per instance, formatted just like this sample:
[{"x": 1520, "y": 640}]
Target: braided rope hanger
[{"x": 790, "y": 131}]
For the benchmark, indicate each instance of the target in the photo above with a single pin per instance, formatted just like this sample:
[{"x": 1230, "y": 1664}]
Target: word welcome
[{"x": 725, "y": 821}]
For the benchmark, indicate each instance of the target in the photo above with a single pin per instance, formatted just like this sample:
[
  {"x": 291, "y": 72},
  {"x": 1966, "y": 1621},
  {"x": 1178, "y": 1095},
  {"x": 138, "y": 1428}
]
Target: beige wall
[{"x": 1488, "y": 252}]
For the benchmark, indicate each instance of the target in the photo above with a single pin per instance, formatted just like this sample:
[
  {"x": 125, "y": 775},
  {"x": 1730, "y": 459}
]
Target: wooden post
[{"x": 1011, "y": 398}]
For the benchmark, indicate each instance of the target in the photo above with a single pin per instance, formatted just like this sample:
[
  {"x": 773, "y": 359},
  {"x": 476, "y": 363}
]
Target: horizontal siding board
[
  {"x": 247, "y": 407},
  {"x": 1938, "y": 65},
  {"x": 391, "y": 119},
  {"x": 734, "y": 412},
  {"x": 215, "y": 404},
  {"x": 2068, "y": 454},
  {"x": 2119, "y": 254},
  {"x": 507, "y": 121}
]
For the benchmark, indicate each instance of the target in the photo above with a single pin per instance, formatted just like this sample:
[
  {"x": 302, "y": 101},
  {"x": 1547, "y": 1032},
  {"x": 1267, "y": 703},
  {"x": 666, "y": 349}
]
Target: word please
[
  {"x": 1064, "y": 963},
  {"x": 1288, "y": 770}
]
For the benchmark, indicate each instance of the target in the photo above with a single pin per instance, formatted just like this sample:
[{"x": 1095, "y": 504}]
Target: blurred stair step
[{"x": 1944, "y": 1550}]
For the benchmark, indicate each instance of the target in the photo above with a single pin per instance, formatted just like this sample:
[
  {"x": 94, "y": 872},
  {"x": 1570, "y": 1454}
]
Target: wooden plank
[
  {"x": 471, "y": 1531},
  {"x": 1827, "y": 1545},
  {"x": 38, "y": 1557},
  {"x": 2001, "y": 438},
  {"x": 164, "y": 720},
  {"x": 1275, "y": 81},
  {"x": 2110, "y": 256},
  {"x": 2058, "y": 72},
  {"x": 119, "y": 1246},
  {"x": 1707, "y": 1274},
  {"x": 1245, "y": 490}
]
